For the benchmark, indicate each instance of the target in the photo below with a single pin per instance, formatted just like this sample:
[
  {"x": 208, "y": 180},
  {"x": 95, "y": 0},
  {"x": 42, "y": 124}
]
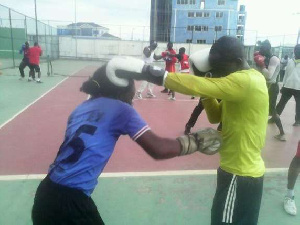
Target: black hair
[
  {"x": 297, "y": 51},
  {"x": 227, "y": 49},
  {"x": 99, "y": 85},
  {"x": 182, "y": 49},
  {"x": 36, "y": 44},
  {"x": 266, "y": 43},
  {"x": 170, "y": 44}
]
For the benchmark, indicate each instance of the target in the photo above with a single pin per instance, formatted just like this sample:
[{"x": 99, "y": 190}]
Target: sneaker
[
  {"x": 21, "y": 78},
  {"x": 290, "y": 206},
  {"x": 172, "y": 98},
  {"x": 39, "y": 81},
  {"x": 296, "y": 124},
  {"x": 150, "y": 95},
  {"x": 280, "y": 137},
  {"x": 165, "y": 91},
  {"x": 29, "y": 79},
  {"x": 139, "y": 95}
]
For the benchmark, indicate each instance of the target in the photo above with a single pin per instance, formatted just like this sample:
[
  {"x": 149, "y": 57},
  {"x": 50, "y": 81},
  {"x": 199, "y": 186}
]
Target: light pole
[{"x": 36, "y": 24}]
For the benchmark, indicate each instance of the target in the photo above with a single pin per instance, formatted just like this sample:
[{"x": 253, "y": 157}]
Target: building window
[
  {"x": 219, "y": 14},
  {"x": 201, "y": 28},
  {"x": 192, "y": 2},
  {"x": 198, "y": 14},
  {"x": 202, "y": 4},
  {"x": 218, "y": 28},
  {"x": 190, "y": 28},
  {"x": 188, "y": 40},
  {"x": 206, "y": 14},
  {"x": 201, "y": 41},
  {"x": 191, "y": 14},
  {"x": 221, "y": 2}
]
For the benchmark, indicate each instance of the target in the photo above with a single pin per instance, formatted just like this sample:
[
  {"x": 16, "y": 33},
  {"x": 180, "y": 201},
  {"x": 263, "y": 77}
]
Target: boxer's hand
[
  {"x": 260, "y": 61},
  {"x": 199, "y": 62},
  {"x": 120, "y": 69},
  {"x": 207, "y": 141}
]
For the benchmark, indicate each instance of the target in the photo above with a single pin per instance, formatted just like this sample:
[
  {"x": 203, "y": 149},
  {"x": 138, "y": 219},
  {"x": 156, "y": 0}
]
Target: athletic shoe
[
  {"x": 172, "y": 98},
  {"x": 280, "y": 137},
  {"x": 21, "y": 78},
  {"x": 29, "y": 79},
  {"x": 296, "y": 124},
  {"x": 39, "y": 81},
  {"x": 139, "y": 95},
  {"x": 165, "y": 91},
  {"x": 150, "y": 95},
  {"x": 290, "y": 206}
]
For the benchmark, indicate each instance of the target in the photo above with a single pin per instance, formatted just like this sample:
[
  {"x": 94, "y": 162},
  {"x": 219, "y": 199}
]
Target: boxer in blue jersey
[{"x": 93, "y": 129}]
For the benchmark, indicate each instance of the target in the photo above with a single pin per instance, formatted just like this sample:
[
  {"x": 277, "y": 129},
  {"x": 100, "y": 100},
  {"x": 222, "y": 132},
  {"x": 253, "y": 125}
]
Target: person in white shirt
[
  {"x": 283, "y": 64},
  {"x": 148, "y": 57},
  {"x": 291, "y": 85}
]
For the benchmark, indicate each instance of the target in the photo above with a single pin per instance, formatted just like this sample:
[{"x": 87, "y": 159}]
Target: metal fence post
[{"x": 12, "y": 39}]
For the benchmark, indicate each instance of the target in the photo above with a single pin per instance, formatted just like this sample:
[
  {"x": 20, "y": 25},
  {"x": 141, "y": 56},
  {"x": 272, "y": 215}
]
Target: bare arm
[
  {"x": 158, "y": 147},
  {"x": 157, "y": 57},
  {"x": 268, "y": 73}
]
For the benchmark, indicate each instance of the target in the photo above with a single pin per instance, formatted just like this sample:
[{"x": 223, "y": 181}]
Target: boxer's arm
[
  {"x": 268, "y": 73},
  {"x": 213, "y": 109},
  {"x": 233, "y": 87},
  {"x": 158, "y": 147},
  {"x": 157, "y": 57}
]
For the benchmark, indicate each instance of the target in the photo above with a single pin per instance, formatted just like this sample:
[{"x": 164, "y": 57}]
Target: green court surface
[
  {"x": 151, "y": 200},
  {"x": 22, "y": 93}
]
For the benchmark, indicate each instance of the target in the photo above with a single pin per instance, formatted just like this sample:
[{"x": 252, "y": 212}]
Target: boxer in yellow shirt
[{"x": 243, "y": 111}]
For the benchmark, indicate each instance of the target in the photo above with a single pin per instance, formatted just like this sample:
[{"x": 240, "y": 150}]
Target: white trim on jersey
[
  {"x": 230, "y": 200},
  {"x": 140, "y": 132}
]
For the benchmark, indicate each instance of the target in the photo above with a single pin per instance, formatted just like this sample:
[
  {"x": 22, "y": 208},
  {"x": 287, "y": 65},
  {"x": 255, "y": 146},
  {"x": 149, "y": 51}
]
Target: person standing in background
[
  {"x": 34, "y": 62},
  {"x": 25, "y": 60}
]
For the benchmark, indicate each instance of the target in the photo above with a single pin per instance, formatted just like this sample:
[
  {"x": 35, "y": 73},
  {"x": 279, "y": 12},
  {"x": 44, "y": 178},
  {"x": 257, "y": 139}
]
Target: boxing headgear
[{"x": 199, "y": 62}]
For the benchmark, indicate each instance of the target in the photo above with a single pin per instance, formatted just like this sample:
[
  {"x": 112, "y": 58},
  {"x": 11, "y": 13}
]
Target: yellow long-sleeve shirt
[{"x": 243, "y": 112}]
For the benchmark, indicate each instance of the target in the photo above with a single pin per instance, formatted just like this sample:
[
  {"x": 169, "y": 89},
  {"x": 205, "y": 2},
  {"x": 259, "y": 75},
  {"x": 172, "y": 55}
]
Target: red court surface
[{"x": 30, "y": 142}]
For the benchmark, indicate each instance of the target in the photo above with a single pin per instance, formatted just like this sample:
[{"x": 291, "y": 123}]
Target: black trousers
[
  {"x": 22, "y": 66},
  {"x": 195, "y": 114},
  {"x": 237, "y": 200},
  {"x": 286, "y": 94},
  {"x": 55, "y": 204},
  {"x": 273, "y": 90}
]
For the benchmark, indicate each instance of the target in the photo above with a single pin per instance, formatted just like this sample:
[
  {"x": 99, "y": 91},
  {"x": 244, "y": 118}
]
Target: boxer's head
[
  {"x": 181, "y": 50},
  {"x": 170, "y": 45},
  {"x": 153, "y": 45},
  {"x": 297, "y": 51},
  {"x": 27, "y": 44},
  {"x": 100, "y": 86},
  {"x": 226, "y": 56},
  {"x": 265, "y": 48}
]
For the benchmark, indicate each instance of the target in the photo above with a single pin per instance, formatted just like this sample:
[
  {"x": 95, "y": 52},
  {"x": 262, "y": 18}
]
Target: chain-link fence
[{"x": 16, "y": 28}]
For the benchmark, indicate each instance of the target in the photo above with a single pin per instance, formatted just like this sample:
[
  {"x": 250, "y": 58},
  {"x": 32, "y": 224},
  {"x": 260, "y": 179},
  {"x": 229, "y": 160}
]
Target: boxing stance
[
  {"x": 269, "y": 65},
  {"x": 148, "y": 57},
  {"x": 93, "y": 129},
  {"x": 243, "y": 111},
  {"x": 25, "y": 60}
]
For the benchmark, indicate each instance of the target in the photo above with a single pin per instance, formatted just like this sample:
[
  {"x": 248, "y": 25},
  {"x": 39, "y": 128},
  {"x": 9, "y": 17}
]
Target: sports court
[{"x": 134, "y": 188}]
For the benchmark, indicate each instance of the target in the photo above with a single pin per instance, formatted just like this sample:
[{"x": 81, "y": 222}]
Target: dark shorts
[
  {"x": 55, "y": 204},
  {"x": 237, "y": 199},
  {"x": 35, "y": 68}
]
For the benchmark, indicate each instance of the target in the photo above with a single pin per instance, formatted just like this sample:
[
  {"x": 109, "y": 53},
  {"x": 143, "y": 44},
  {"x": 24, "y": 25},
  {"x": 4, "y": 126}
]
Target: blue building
[{"x": 204, "y": 21}]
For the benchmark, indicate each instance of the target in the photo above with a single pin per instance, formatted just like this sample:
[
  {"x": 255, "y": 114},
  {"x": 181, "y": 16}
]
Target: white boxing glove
[
  {"x": 120, "y": 69},
  {"x": 199, "y": 62}
]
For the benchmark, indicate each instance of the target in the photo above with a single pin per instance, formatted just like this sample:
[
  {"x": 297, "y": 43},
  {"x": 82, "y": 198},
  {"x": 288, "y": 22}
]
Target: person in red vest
[
  {"x": 34, "y": 61},
  {"x": 183, "y": 60},
  {"x": 170, "y": 58}
]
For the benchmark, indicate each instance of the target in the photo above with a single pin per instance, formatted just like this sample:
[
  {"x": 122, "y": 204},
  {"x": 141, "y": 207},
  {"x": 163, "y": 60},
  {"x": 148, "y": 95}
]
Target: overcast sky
[{"x": 267, "y": 17}]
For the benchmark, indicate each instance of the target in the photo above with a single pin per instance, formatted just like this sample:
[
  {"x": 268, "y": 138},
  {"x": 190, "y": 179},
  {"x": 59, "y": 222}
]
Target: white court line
[
  {"x": 135, "y": 174},
  {"x": 2, "y": 125},
  {"x": 166, "y": 100}
]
